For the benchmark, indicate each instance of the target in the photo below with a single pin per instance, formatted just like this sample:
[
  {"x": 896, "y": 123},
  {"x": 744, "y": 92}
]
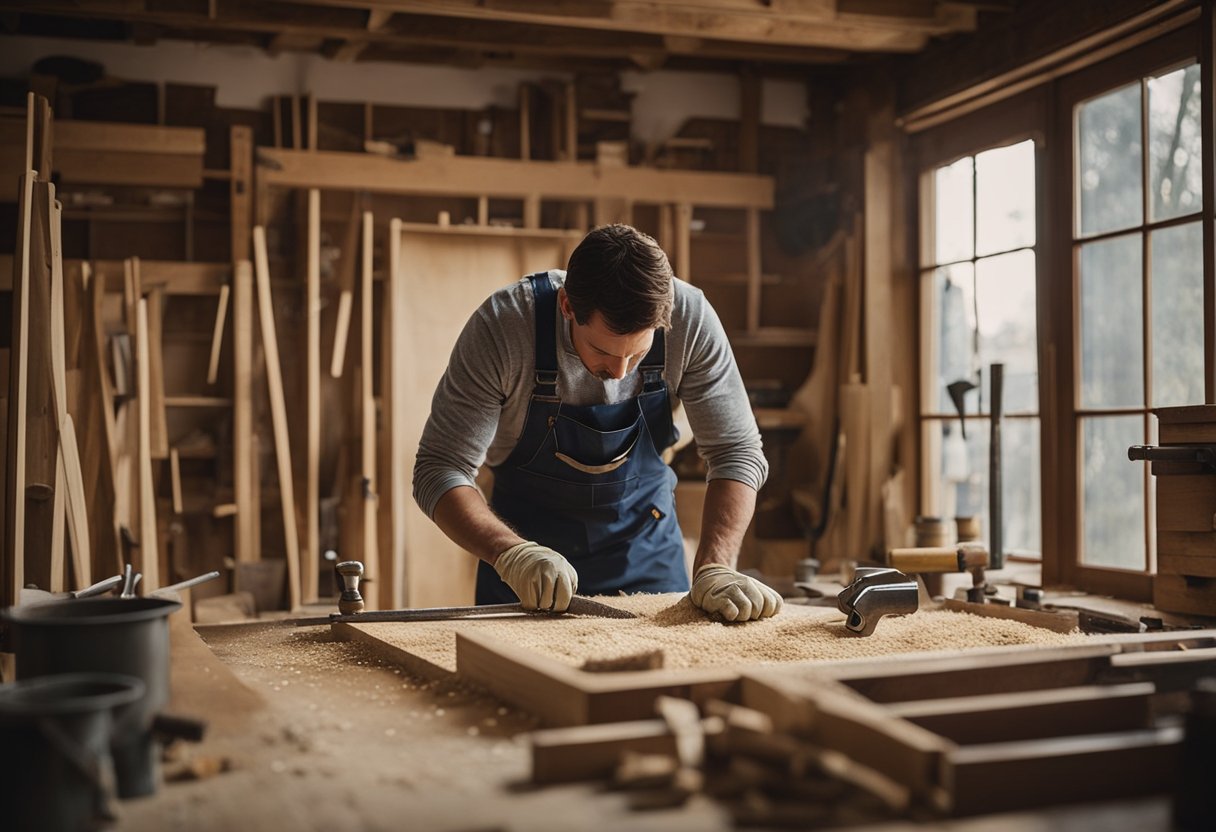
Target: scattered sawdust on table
[{"x": 689, "y": 639}]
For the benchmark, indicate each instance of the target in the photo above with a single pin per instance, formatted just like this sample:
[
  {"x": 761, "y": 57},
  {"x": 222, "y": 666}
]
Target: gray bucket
[
  {"x": 105, "y": 635},
  {"x": 55, "y": 733}
]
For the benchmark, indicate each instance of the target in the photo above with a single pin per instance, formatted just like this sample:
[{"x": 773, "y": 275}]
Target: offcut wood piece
[
  {"x": 508, "y": 179},
  {"x": 590, "y": 752},
  {"x": 1062, "y": 621},
  {"x": 312, "y": 472},
  {"x": 453, "y": 269},
  {"x": 244, "y": 458},
  {"x": 367, "y": 400},
  {"x": 217, "y": 335},
  {"x": 240, "y": 188},
  {"x": 346, "y": 286},
  {"x": 278, "y": 414},
  {"x": 149, "y": 556}
]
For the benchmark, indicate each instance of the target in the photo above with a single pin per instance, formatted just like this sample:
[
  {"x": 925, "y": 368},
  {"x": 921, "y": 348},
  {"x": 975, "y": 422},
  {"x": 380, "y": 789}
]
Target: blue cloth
[{"x": 589, "y": 481}]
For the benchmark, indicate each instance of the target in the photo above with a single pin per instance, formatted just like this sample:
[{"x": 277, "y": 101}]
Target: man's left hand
[{"x": 731, "y": 595}]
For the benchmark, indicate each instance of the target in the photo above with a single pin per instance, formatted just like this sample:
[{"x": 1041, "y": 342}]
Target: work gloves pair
[{"x": 543, "y": 579}]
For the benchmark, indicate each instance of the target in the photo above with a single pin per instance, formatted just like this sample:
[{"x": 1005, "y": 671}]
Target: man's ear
[{"x": 563, "y": 304}]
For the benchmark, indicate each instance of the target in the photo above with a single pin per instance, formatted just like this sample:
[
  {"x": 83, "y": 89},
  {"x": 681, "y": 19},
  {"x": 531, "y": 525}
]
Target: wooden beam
[
  {"x": 394, "y": 398},
  {"x": 243, "y": 459},
  {"x": 509, "y": 179},
  {"x": 149, "y": 556},
  {"x": 367, "y": 409},
  {"x": 312, "y": 509},
  {"x": 754, "y": 271},
  {"x": 278, "y": 414},
  {"x": 525, "y": 121}
]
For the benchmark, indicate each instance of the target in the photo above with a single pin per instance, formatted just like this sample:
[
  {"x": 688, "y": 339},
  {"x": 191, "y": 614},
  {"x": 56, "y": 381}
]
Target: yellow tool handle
[{"x": 937, "y": 558}]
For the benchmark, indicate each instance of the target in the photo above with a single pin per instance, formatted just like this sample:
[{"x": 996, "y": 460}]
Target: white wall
[{"x": 245, "y": 77}]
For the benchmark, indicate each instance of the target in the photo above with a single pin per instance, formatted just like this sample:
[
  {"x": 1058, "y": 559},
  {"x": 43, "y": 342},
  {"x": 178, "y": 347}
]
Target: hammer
[
  {"x": 349, "y": 572},
  {"x": 966, "y": 557}
]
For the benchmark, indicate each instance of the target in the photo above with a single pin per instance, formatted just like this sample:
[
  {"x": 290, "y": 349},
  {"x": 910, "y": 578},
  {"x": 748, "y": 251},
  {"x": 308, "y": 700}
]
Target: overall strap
[
  {"x": 546, "y": 335},
  {"x": 652, "y": 365}
]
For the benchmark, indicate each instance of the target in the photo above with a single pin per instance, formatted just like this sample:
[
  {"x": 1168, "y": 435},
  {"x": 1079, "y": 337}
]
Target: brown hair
[{"x": 624, "y": 275}]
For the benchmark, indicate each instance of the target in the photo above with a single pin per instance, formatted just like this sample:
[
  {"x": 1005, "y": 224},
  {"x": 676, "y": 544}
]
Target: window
[
  {"x": 1137, "y": 246},
  {"x": 978, "y": 291}
]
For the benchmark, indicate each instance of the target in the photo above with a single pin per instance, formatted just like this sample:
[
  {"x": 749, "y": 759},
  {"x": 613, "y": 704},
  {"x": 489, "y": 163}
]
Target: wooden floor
[{"x": 322, "y": 735}]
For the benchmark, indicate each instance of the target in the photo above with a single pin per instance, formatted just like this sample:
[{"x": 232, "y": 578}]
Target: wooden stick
[
  {"x": 175, "y": 473},
  {"x": 278, "y": 413},
  {"x": 346, "y": 284},
  {"x": 312, "y": 121},
  {"x": 57, "y": 525},
  {"x": 149, "y": 558},
  {"x": 244, "y": 459},
  {"x": 312, "y": 553},
  {"x": 217, "y": 335},
  {"x": 156, "y": 373},
  {"x": 297, "y": 141},
  {"x": 371, "y": 541}
]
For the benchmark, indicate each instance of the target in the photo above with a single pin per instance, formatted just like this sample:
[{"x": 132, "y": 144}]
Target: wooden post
[
  {"x": 571, "y": 123},
  {"x": 149, "y": 557},
  {"x": 243, "y": 459},
  {"x": 483, "y": 210},
  {"x": 532, "y": 211},
  {"x": 683, "y": 264},
  {"x": 753, "y": 270},
  {"x": 751, "y": 99},
  {"x": 525, "y": 125},
  {"x": 175, "y": 477},
  {"x": 371, "y": 540},
  {"x": 312, "y": 535},
  {"x": 240, "y": 188},
  {"x": 393, "y": 398},
  {"x": 278, "y": 413}
]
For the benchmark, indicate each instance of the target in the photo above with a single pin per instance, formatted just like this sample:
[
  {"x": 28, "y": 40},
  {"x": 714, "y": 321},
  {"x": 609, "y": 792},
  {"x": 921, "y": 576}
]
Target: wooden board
[
  {"x": 243, "y": 460},
  {"x": 442, "y": 277},
  {"x": 310, "y": 563}
]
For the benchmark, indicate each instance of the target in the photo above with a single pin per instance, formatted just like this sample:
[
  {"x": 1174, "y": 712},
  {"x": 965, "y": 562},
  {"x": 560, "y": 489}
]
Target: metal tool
[
  {"x": 99, "y": 588},
  {"x": 129, "y": 580},
  {"x": 186, "y": 584},
  {"x": 578, "y": 606},
  {"x": 349, "y": 573},
  {"x": 965, "y": 557},
  {"x": 875, "y": 592}
]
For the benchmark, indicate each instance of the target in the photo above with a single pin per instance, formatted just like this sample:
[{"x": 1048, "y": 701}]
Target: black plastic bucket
[
  {"x": 105, "y": 635},
  {"x": 55, "y": 732}
]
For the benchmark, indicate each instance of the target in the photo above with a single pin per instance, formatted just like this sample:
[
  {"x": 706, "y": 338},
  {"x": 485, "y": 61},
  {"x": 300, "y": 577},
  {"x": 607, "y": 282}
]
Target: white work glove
[
  {"x": 542, "y": 578},
  {"x": 731, "y": 595}
]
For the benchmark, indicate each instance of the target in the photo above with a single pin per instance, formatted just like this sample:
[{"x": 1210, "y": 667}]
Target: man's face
[{"x": 605, "y": 354}]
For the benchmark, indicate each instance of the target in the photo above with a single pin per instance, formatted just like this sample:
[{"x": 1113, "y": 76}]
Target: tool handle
[{"x": 938, "y": 558}]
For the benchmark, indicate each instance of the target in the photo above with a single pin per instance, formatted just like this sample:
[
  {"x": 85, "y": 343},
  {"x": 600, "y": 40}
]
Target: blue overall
[{"x": 589, "y": 482}]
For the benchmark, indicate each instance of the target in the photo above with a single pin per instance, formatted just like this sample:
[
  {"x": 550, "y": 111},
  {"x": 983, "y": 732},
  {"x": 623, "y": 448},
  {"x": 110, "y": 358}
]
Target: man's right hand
[{"x": 542, "y": 578}]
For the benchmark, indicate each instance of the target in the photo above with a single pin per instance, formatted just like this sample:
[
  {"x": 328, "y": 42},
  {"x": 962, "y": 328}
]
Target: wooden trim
[
  {"x": 1160, "y": 20},
  {"x": 312, "y": 508},
  {"x": 509, "y": 178},
  {"x": 278, "y": 414}
]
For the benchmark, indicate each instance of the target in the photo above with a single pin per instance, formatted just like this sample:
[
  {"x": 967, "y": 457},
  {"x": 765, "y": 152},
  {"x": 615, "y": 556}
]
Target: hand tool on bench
[
  {"x": 965, "y": 557},
  {"x": 873, "y": 593},
  {"x": 350, "y": 604}
]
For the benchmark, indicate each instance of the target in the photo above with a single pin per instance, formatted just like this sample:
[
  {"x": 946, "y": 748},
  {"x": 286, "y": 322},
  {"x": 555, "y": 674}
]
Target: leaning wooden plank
[
  {"x": 278, "y": 413},
  {"x": 243, "y": 459},
  {"x": 156, "y": 374},
  {"x": 78, "y": 511},
  {"x": 149, "y": 550},
  {"x": 56, "y": 581},
  {"x": 1039, "y": 714},
  {"x": 507, "y": 178},
  {"x": 217, "y": 335},
  {"x": 98, "y": 445},
  {"x": 1061, "y": 621},
  {"x": 371, "y": 539},
  {"x": 588, "y": 752},
  {"x": 346, "y": 287},
  {"x": 312, "y": 536},
  {"x": 1064, "y": 770}
]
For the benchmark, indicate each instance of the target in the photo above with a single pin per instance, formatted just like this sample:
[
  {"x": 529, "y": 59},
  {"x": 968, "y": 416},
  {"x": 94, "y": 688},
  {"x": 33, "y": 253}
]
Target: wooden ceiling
[{"x": 549, "y": 34}]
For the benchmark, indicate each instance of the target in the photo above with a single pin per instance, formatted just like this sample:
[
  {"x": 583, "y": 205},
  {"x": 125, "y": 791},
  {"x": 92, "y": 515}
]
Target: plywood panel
[{"x": 444, "y": 276}]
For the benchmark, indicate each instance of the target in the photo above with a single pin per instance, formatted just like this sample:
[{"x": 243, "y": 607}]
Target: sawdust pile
[{"x": 688, "y": 639}]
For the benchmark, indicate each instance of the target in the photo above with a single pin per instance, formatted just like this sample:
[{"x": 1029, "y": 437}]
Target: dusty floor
[{"x": 323, "y": 736}]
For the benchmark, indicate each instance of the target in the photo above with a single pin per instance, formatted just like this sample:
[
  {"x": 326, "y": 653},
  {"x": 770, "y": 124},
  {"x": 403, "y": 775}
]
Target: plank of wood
[
  {"x": 217, "y": 335},
  {"x": 77, "y": 503},
  {"x": 98, "y": 447},
  {"x": 508, "y": 178},
  {"x": 243, "y": 457},
  {"x": 278, "y": 413},
  {"x": 159, "y": 438},
  {"x": 371, "y": 540},
  {"x": 589, "y": 752},
  {"x": 57, "y": 547},
  {"x": 103, "y": 167},
  {"x": 149, "y": 555},
  {"x": 855, "y": 418},
  {"x": 394, "y": 586},
  {"x": 754, "y": 270},
  {"x": 175, "y": 475},
  {"x": 129, "y": 138},
  {"x": 346, "y": 286},
  {"x": 312, "y": 536},
  {"x": 175, "y": 277},
  {"x": 1061, "y": 621}
]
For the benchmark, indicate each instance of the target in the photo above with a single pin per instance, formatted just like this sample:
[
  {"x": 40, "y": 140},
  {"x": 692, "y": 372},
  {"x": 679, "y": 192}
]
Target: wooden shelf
[
  {"x": 197, "y": 401},
  {"x": 774, "y": 336}
]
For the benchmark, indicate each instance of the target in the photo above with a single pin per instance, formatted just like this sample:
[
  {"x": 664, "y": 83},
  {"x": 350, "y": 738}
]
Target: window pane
[
  {"x": 1112, "y": 344},
  {"x": 1108, "y": 139},
  {"x": 1004, "y": 198},
  {"x": 1113, "y": 493},
  {"x": 1175, "y": 144},
  {"x": 955, "y": 213},
  {"x": 954, "y": 305},
  {"x": 1005, "y": 293},
  {"x": 1020, "y": 496},
  {"x": 1177, "y": 327}
]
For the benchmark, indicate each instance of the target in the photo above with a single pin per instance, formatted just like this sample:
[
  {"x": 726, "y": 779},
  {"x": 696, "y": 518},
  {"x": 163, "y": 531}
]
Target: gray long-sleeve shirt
[{"x": 479, "y": 408}]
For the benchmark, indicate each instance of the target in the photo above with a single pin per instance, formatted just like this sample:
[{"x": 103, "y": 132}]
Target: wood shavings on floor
[{"x": 688, "y": 639}]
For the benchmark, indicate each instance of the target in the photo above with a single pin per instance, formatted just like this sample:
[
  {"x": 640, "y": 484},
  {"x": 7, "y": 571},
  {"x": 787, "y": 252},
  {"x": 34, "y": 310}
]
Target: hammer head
[
  {"x": 349, "y": 573},
  {"x": 876, "y": 592}
]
